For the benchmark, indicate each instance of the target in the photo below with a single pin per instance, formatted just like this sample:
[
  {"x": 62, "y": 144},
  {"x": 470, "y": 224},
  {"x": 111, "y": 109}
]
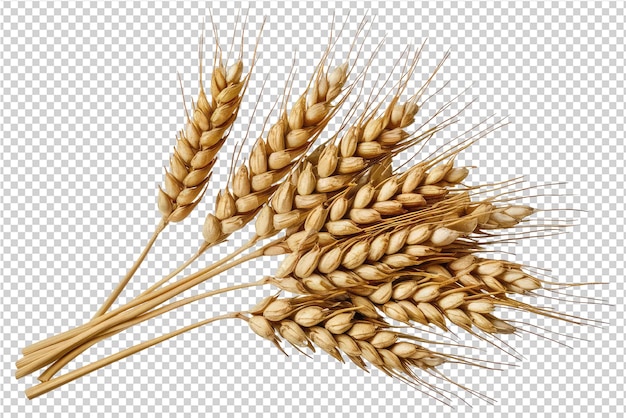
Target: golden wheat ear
[
  {"x": 340, "y": 324},
  {"x": 360, "y": 152},
  {"x": 204, "y": 135},
  {"x": 205, "y": 132},
  {"x": 287, "y": 141}
]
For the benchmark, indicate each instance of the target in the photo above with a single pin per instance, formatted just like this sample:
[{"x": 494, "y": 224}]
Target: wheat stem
[
  {"x": 34, "y": 361},
  {"x": 176, "y": 272},
  {"x": 122, "y": 284},
  {"x": 46, "y": 387},
  {"x": 205, "y": 246},
  {"x": 60, "y": 363},
  {"x": 56, "y": 339}
]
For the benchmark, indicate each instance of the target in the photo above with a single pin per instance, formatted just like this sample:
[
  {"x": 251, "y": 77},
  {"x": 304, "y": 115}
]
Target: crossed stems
[{"x": 62, "y": 348}]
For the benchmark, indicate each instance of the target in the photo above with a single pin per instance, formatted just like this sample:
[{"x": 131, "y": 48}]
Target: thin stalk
[
  {"x": 75, "y": 331},
  {"x": 176, "y": 272},
  {"x": 122, "y": 284},
  {"x": 46, "y": 387},
  {"x": 60, "y": 363},
  {"x": 147, "y": 302},
  {"x": 200, "y": 251}
]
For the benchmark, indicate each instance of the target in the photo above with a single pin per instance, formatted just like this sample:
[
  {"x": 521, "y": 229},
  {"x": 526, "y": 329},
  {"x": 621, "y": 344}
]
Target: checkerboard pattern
[{"x": 90, "y": 107}]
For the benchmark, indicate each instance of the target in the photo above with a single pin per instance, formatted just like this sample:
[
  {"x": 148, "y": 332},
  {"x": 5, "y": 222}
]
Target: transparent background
[{"x": 90, "y": 107}]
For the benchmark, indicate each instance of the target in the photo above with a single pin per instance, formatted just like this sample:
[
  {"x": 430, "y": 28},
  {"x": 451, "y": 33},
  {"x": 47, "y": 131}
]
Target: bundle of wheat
[{"x": 365, "y": 245}]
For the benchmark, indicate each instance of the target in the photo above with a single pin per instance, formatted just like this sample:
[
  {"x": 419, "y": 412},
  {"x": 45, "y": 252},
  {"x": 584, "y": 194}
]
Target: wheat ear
[
  {"x": 271, "y": 160},
  {"x": 320, "y": 182},
  {"x": 206, "y": 131},
  {"x": 337, "y": 324},
  {"x": 195, "y": 153}
]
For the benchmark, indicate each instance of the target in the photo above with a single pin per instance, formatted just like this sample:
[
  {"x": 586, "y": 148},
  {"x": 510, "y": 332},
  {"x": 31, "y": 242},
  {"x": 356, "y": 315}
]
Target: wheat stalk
[
  {"x": 46, "y": 387},
  {"x": 196, "y": 148}
]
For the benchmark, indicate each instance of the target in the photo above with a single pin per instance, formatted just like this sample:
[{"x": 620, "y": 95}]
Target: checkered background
[{"x": 90, "y": 106}]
